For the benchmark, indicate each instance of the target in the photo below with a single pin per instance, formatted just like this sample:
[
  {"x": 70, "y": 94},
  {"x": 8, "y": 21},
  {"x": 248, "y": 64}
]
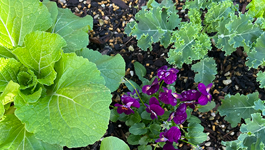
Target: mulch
[{"x": 108, "y": 37}]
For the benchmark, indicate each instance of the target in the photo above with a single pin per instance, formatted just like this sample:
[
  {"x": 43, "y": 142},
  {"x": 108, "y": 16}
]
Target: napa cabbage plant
[
  {"x": 50, "y": 95},
  {"x": 211, "y": 24}
]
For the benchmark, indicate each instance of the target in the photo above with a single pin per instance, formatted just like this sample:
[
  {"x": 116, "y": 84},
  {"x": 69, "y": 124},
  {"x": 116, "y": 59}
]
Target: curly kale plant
[
  {"x": 50, "y": 98},
  {"x": 210, "y": 24}
]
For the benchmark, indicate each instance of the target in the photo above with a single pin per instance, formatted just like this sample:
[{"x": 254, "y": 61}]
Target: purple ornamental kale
[
  {"x": 180, "y": 115},
  {"x": 169, "y": 136},
  {"x": 151, "y": 89},
  {"x": 205, "y": 93},
  {"x": 168, "y": 97},
  {"x": 190, "y": 97},
  {"x": 128, "y": 102},
  {"x": 154, "y": 108},
  {"x": 169, "y": 76}
]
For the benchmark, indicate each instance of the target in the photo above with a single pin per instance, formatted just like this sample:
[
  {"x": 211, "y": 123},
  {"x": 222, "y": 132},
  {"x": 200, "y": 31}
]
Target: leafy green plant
[
  {"x": 211, "y": 24},
  {"x": 249, "y": 108},
  {"x": 51, "y": 98},
  {"x": 113, "y": 143},
  {"x": 155, "y": 112}
]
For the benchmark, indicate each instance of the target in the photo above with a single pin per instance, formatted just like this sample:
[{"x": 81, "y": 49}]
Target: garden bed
[{"x": 108, "y": 37}]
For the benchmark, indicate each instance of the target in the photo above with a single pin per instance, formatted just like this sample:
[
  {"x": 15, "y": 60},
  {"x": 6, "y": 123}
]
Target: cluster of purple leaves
[{"x": 188, "y": 98}]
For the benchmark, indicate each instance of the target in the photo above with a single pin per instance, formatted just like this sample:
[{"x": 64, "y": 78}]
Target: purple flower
[
  {"x": 128, "y": 102},
  {"x": 151, "y": 89},
  {"x": 168, "y": 97},
  {"x": 180, "y": 115},
  {"x": 190, "y": 97},
  {"x": 205, "y": 95},
  {"x": 154, "y": 108},
  {"x": 169, "y": 76},
  {"x": 169, "y": 136}
]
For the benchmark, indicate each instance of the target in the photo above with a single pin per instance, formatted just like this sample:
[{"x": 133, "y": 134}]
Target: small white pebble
[
  {"x": 80, "y": 1},
  {"x": 106, "y": 18},
  {"x": 103, "y": 5},
  {"x": 207, "y": 133},
  {"x": 226, "y": 82},
  {"x": 207, "y": 143},
  {"x": 131, "y": 72},
  {"x": 232, "y": 133},
  {"x": 101, "y": 138},
  {"x": 131, "y": 20},
  {"x": 110, "y": 5},
  {"x": 84, "y": 2},
  {"x": 236, "y": 87},
  {"x": 222, "y": 126},
  {"x": 119, "y": 125},
  {"x": 200, "y": 115},
  {"x": 208, "y": 138},
  {"x": 213, "y": 114},
  {"x": 96, "y": 16},
  {"x": 131, "y": 48},
  {"x": 63, "y": 1},
  {"x": 162, "y": 54},
  {"x": 227, "y": 74}
]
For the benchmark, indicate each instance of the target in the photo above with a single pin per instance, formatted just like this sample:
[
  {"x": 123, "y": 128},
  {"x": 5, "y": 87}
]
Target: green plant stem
[
  {"x": 187, "y": 142},
  {"x": 161, "y": 84},
  {"x": 136, "y": 91}
]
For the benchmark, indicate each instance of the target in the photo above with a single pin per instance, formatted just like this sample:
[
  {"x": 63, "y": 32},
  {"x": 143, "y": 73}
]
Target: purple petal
[
  {"x": 173, "y": 134},
  {"x": 155, "y": 82},
  {"x": 173, "y": 70},
  {"x": 203, "y": 100},
  {"x": 129, "y": 104},
  {"x": 157, "y": 109},
  {"x": 209, "y": 97},
  {"x": 161, "y": 74},
  {"x": 179, "y": 119},
  {"x": 146, "y": 88},
  {"x": 120, "y": 110},
  {"x": 169, "y": 146},
  {"x": 181, "y": 109},
  {"x": 170, "y": 78},
  {"x": 191, "y": 104},
  {"x": 208, "y": 87},
  {"x": 153, "y": 116},
  {"x": 171, "y": 116},
  {"x": 190, "y": 95},
  {"x": 153, "y": 100},
  {"x": 148, "y": 109},
  {"x": 128, "y": 111},
  {"x": 163, "y": 96},
  {"x": 177, "y": 96},
  {"x": 163, "y": 139},
  {"x": 136, "y": 104},
  {"x": 117, "y": 105},
  {"x": 202, "y": 88}
]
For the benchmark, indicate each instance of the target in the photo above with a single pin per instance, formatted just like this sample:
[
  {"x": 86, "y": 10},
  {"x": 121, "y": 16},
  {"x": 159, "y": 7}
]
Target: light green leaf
[
  {"x": 261, "y": 79},
  {"x": 255, "y": 127},
  {"x": 133, "y": 119},
  {"x": 31, "y": 97},
  {"x": 112, "y": 68},
  {"x": 223, "y": 36},
  {"x": 140, "y": 71},
  {"x": 18, "y": 18},
  {"x": 76, "y": 108},
  {"x": 8, "y": 95},
  {"x": 39, "y": 54},
  {"x": 114, "y": 115},
  {"x": 257, "y": 54},
  {"x": 154, "y": 25},
  {"x": 145, "y": 115},
  {"x": 6, "y": 53},
  {"x": 216, "y": 13},
  {"x": 207, "y": 107},
  {"x": 206, "y": 69},
  {"x": 238, "y": 106},
  {"x": 27, "y": 79},
  {"x": 195, "y": 16},
  {"x": 189, "y": 44},
  {"x": 113, "y": 143},
  {"x": 53, "y": 9},
  {"x": 259, "y": 105},
  {"x": 256, "y": 8},
  {"x": 9, "y": 69},
  {"x": 195, "y": 133},
  {"x": 138, "y": 129},
  {"x": 196, "y": 4},
  {"x": 144, "y": 140},
  {"x": 15, "y": 136},
  {"x": 242, "y": 30},
  {"x": 72, "y": 28}
]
